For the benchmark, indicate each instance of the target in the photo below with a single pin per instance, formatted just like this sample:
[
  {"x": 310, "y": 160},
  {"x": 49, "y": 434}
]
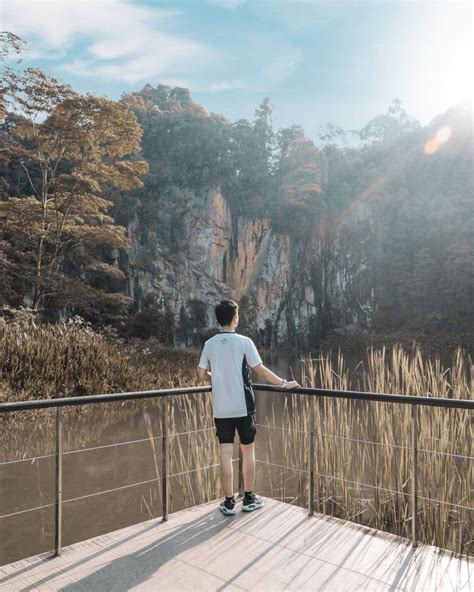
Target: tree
[
  {"x": 332, "y": 134},
  {"x": 284, "y": 138},
  {"x": 10, "y": 44},
  {"x": 301, "y": 199},
  {"x": 264, "y": 135},
  {"x": 249, "y": 184},
  {"x": 392, "y": 125},
  {"x": 71, "y": 149},
  {"x": 187, "y": 146}
]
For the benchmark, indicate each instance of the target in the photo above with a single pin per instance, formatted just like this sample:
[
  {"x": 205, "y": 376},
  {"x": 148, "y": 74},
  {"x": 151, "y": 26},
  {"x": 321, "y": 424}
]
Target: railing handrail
[
  {"x": 103, "y": 398},
  {"x": 315, "y": 392},
  {"x": 367, "y": 396}
]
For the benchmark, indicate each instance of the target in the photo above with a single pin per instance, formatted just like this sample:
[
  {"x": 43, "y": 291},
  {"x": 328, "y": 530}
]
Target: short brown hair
[{"x": 226, "y": 311}]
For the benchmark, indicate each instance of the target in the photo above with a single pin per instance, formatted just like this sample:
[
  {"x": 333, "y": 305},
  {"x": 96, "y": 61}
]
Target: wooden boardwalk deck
[{"x": 274, "y": 548}]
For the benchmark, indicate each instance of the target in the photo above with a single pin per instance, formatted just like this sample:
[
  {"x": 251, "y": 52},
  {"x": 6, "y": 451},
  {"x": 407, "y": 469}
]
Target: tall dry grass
[{"x": 362, "y": 448}]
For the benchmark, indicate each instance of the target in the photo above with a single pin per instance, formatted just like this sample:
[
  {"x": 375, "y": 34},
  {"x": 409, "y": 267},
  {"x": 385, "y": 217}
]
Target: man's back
[{"x": 230, "y": 357}]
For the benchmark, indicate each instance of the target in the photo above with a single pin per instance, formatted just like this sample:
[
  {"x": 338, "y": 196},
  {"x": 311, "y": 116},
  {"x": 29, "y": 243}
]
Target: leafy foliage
[
  {"x": 301, "y": 198},
  {"x": 389, "y": 126},
  {"x": 62, "y": 151}
]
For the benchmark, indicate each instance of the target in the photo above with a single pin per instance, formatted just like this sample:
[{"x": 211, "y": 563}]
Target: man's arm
[
  {"x": 203, "y": 373},
  {"x": 272, "y": 378},
  {"x": 203, "y": 366}
]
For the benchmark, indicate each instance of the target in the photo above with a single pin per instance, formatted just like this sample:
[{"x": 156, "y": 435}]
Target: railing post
[
  {"x": 414, "y": 475},
  {"x": 59, "y": 482},
  {"x": 317, "y": 489},
  {"x": 241, "y": 474},
  {"x": 166, "y": 458},
  {"x": 311, "y": 458}
]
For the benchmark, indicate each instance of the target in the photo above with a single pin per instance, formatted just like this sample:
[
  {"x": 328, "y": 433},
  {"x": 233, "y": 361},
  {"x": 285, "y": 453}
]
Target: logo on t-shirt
[{"x": 224, "y": 340}]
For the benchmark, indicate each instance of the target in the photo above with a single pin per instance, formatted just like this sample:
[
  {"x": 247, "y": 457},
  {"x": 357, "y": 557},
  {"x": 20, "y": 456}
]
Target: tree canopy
[{"x": 62, "y": 152}]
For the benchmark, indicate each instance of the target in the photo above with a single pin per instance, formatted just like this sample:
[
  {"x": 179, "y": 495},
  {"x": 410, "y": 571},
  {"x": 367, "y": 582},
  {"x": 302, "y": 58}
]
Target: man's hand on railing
[
  {"x": 292, "y": 384},
  {"x": 272, "y": 378}
]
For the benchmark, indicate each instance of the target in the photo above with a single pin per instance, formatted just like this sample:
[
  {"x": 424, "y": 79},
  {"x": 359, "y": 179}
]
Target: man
[{"x": 230, "y": 357}]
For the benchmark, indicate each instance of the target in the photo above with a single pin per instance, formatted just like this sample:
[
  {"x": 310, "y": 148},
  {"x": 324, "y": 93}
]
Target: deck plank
[{"x": 275, "y": 548}]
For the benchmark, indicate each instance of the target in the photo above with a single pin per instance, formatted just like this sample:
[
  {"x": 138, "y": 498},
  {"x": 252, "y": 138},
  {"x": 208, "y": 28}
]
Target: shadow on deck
[{"x": 275, "y": 548}]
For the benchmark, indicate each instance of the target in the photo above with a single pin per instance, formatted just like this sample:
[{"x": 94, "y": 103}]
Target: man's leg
[
  {"x": 247, "y": 432},
  {"x": 248, "y": 465},
  {"x": 225, "y": 452}
]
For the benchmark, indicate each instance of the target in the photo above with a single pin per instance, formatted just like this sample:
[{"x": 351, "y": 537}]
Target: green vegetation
[
  {"x": 66, "y": 359},
  {"x": 80, "y": 361}
]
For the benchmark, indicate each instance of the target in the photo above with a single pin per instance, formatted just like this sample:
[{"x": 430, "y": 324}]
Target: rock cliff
[{"x": 292, "y": 291}]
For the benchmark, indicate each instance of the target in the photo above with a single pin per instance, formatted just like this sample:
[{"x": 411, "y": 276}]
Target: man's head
[{"x": 227, "y": 313}]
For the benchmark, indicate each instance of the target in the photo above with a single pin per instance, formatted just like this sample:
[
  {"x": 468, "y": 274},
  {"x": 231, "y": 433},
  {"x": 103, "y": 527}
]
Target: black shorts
[{"x": 226, "y": 426}]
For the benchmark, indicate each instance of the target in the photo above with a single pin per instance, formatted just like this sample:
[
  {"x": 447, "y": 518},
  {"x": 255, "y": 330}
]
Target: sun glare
[{"x": 442, "y": 66}]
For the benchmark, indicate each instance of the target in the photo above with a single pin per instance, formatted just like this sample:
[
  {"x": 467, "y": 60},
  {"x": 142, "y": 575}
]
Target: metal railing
[{"x": 59, "y": 404}]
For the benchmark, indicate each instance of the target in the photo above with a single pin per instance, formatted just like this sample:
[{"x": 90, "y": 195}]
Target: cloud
[
  {"x": 305, "y": 15},
  {"x": 229, "y": 4},
  {"x": 226, "y": 85},
  {"x": 280, "y": 68},
  {"x": 128, "y": 43},
  {"x": 117, "y": 40}
]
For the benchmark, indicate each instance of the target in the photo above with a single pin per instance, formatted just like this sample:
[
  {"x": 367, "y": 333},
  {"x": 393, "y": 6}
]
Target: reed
[{"x": 362, "y": 448}]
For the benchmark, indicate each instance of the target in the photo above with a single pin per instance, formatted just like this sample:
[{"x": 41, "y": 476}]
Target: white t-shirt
[{"x": 230, "y": 357}]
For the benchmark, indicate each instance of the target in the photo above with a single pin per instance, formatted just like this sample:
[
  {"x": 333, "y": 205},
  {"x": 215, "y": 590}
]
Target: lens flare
[
  {"x": 441, "y": 136},
  {"x": 443, "y": 133}
]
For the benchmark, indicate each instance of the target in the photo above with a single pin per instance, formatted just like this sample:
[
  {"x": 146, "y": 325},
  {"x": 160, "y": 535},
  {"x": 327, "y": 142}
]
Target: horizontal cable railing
[
  {"x": 453, "y": 454},
  {"x": 88, "y": 495},
  {"x": 32, "y": 458},
  {"x": 60, "y": 403},
  {"x": 358, "y": 483}
]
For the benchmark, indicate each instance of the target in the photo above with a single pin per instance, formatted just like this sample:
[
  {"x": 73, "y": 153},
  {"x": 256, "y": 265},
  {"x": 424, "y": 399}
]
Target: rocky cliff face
[{"x": 292, "y": 292}]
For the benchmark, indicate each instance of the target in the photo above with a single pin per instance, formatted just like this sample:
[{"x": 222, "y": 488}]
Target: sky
[{"x": 318, "y": 61}]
